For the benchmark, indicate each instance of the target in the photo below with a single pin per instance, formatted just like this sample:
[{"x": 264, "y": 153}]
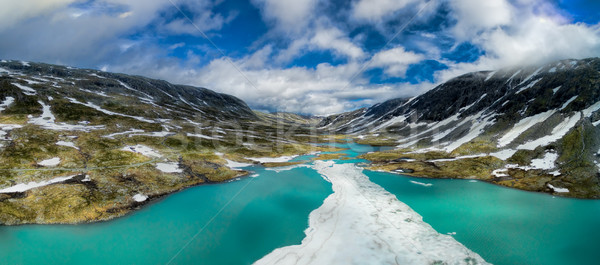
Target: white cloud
[
  {"x": 374, "y": 10},
  {"x": 289, "y": 15},
  {"x": 335, "y": 40},
  {"x": 531, "y": 33},
  {"x": 13, "y": 12},
  {"x": 474, "y": 16},
  {"x": 395, "y": 61}
]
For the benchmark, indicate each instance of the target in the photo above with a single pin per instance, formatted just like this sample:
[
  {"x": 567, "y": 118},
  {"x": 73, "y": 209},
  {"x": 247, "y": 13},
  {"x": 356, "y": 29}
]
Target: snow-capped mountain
[
  {"x": 549, "y": 113},
  {"x": 136, "y": 96}
]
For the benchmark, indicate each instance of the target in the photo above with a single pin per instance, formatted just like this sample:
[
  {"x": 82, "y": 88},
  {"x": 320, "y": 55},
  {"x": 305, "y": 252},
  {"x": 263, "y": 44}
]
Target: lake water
[{"x": 241, "y": 221}]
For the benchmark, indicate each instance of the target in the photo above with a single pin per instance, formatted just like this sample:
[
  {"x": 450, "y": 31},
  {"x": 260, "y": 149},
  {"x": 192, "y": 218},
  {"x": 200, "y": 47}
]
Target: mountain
[
  {"x": 80, "y": 145},
  {"x": 539, "y": 127}
]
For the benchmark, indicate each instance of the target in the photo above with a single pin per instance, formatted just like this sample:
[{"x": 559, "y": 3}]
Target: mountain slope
[
  {"x": 81, "y": 145},
  {"x": 537, "y": 121}
]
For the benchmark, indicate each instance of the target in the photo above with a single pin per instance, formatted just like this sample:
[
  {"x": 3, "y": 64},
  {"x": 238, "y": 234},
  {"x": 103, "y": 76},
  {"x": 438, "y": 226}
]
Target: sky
[{"x": 305, "y": 56}]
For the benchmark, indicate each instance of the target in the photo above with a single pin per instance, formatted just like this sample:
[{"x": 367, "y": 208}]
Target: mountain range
[{"x": 93, "y": 145}]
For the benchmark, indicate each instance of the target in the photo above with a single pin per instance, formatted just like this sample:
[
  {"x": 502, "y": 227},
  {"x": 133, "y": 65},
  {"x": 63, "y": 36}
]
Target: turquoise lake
[{"x": 241, "y": 221}]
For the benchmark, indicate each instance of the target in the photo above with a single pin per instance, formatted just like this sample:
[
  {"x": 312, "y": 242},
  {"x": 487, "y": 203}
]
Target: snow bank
[
  {"x": 31, "y": 185},
  {"x": 361, "y": 223}
]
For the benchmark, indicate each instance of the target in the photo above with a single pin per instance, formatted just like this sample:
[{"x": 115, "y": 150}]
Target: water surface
[{"x": 241, "y": 221}]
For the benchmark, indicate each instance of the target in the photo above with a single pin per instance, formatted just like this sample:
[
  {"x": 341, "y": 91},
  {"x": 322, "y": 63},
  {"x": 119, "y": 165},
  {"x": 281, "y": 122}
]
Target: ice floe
[
  {"x": 169, "y": 167},
  {"x": 141, "y": 149},
  {"x": 421, "y": 183},
  {"x": 52, "y": 162},
  {"x": 272, "y": 159},
  {"x": 361, "y": 223},
  {"x": 31, "y": 185}
]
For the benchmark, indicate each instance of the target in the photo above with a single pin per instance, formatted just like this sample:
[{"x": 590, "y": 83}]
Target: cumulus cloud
[
  {"x": 374, "y": 10},
  {"x": 533, "y": 33},
  {"x": 289, "y": 15},
  {"x": 395, "y": 61},
  {"x": 334, "y": 39},
  {"x": 134, "y": 37},
  {"x": 473, "y": 16}
]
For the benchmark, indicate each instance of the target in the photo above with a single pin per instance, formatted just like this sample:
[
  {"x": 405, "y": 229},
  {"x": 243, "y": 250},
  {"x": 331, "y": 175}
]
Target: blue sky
[{"x": 306, "y": 56}]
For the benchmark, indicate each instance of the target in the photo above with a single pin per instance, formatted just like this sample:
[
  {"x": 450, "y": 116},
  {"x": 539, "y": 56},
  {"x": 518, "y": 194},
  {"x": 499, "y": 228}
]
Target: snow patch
[
  {"x": 556, "y": 89},
  {"x": 7, "y": 101},
  {"x": 504, "y": 154},
  {"x": 272, "y": 159},
  {"x": 169, "y": 167},
  {"x": 568, "y": 102},
  {"x": 154, "y": 134},
  {"x": 112, "y": 135},
  {"x": 547, "y": 162},
  {"x": 26, "y": 90},
  {"x": 67, "y": 144},
  {"x": 557, "y": 189},
  {"x": 530, "y": 85},
  {"x": 140, "y": 197},
  {"x": 141, "y": 149},
  {"x": 52, "y": 162},
  {"x": 558, "y": 132},
  {"x": 522, "y": 126},
  {"x": 108, "y": 112},
  {"x": 46, "y": 121},
  {"x": 499, "y": 173},
  {"x": 31, "y": 185},
  {"x": 236, "y": 165},
  {"x": 201, "y": 136}
]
